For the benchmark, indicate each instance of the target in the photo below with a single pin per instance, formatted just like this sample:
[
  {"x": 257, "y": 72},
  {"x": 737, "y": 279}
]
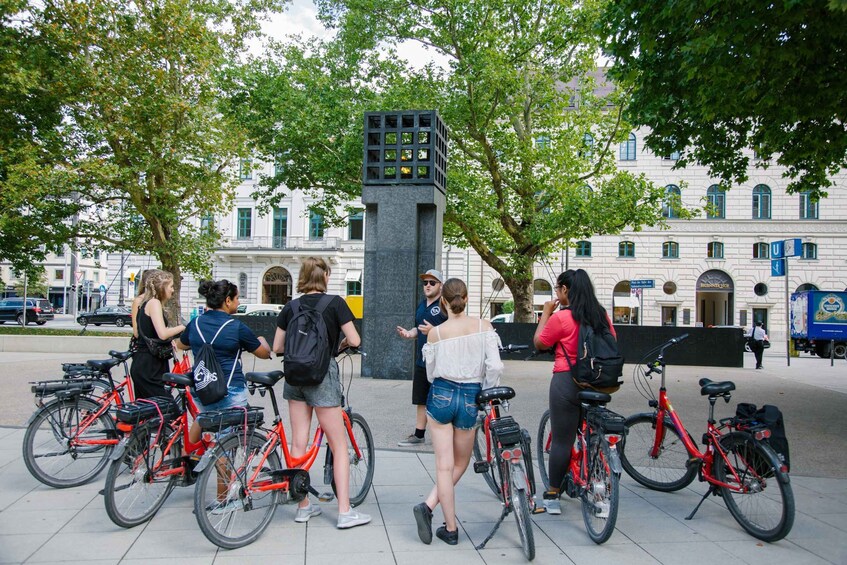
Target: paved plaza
[{"x": 42, "y": 525}]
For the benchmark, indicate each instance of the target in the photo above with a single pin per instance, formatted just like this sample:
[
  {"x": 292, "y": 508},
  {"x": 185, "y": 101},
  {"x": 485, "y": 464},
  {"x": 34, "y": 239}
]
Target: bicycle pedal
[
  {"x": 539, "y": 510},
  {"x": 481, "y": 467},
  {"x": 326, "y": 497},
  {"x": 693, "y": 462}
]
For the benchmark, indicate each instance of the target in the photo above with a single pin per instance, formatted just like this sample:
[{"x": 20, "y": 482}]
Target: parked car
[
  {"x": 38, "y": 310},
  {"x": 118, "y": 315},
  {"x": 509, "y": 318},
  {"x": 247, "y": 308},
  {"x": 273, "y": 313}
]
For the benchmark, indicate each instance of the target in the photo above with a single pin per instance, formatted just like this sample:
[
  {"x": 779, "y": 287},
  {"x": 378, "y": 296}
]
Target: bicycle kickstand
[{"x": 712, "y": 490}]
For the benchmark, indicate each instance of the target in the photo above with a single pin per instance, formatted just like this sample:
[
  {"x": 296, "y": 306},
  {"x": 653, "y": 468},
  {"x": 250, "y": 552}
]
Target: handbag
[
  {"x": 159, "y": 348},
  {"x": 766, "y": 344}
]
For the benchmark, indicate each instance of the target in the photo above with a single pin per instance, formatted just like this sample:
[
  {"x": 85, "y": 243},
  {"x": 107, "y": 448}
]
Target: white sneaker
[
  {"x": 352, "y": 519},
  {"x": 303, "y": 514},
  {"x": 552, "y": 506}
]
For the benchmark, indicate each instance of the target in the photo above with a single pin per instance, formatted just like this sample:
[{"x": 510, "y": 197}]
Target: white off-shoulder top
[{"x": 473, "y": 358}]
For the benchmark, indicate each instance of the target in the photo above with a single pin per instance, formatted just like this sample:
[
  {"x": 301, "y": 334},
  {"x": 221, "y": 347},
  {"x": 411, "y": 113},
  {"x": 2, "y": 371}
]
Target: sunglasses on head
[{"x": 430, "y": 282}]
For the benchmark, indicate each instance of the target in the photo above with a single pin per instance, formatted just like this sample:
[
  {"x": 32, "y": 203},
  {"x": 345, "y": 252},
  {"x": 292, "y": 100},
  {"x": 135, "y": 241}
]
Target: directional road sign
[
  {"x": 777, "y": 267},
  {"x": 777, "y": 249}
]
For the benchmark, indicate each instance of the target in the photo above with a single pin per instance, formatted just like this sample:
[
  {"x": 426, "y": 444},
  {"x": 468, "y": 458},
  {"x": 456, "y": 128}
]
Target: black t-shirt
[{"x": 336, "y": 314}]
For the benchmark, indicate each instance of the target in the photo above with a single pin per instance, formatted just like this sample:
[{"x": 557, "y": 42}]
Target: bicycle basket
[
  {"x": 47, "y": 388},
  {"x": 506, "y": 430},
  {"x": 138, "y": 411},
  {"x": 606, "y": 421},
  {"x": 216, "y": 419}
]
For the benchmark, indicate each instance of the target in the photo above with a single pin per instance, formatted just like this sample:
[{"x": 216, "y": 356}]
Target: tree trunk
[
  {"x": 172, "y": 308},
  {"x": 521, "y": 288}
]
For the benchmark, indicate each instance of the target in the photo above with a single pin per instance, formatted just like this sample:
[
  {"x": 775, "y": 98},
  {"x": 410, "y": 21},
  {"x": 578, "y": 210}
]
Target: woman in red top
[{"x": 559, "y": 330}]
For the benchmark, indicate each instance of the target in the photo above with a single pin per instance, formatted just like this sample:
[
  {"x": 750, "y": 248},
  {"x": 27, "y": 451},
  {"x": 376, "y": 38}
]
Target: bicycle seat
[
  {"x": 121, "y": 355},
  {"x": 269, "y": 378},
  {"x": 178, "y": 379},
  {"x": 711, "y": 388},
  {"x": 594, "y": 398},
  {"x": 496, "y": 393},
  {"x": 103, "y": 366}
]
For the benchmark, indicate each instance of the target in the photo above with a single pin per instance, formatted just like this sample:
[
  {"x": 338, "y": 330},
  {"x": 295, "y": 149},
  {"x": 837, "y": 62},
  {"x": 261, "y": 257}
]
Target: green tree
[
  {"x": 142, "y": 149},
  {"x": 533, "y": 128},
  {"x": 713, "y": 80}
]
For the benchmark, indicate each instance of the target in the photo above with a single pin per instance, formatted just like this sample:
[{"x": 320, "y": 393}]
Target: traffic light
[{"x": 73, "y": 288}]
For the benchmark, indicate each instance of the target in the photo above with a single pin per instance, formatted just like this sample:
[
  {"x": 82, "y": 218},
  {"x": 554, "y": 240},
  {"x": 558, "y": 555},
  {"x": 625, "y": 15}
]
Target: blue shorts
[
  {"x": 453, "y": 403},
  {"x": 236, "y": 397}
]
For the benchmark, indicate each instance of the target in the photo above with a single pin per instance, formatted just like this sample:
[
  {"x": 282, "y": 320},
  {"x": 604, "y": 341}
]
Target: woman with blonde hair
[
  {"x": 462, "y": 357},
  {"x": 149, "y": 322},
  {"x": 325, "y": 398}
]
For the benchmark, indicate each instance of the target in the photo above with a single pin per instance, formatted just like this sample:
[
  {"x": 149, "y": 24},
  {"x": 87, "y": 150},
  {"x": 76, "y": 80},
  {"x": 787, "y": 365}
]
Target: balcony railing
[{"x": 293, "y": 243}]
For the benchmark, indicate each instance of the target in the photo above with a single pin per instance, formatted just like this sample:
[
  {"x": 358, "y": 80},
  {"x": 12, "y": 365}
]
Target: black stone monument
[{"x": 404, "y": 175}]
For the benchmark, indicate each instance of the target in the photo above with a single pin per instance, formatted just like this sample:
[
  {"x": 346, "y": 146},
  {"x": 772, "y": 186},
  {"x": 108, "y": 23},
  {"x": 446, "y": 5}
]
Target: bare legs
[{"x": 452, "y": 456}]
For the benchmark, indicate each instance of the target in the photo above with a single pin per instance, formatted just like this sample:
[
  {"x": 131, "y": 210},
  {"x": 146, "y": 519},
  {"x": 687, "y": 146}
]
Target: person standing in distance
[
  {"x": 428, "y": 315},
  {"x": 758, "y": 335}
]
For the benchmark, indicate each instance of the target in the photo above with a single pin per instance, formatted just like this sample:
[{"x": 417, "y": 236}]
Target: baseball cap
[{"x": 432, "y": 273}]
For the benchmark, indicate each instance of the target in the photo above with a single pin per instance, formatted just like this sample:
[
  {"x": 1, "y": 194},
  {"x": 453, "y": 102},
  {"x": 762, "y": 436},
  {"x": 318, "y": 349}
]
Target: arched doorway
[
  {"x": 626, "y": 304},
  {"x": 276, "y": 286},
  {"x": 715, "y": 299},
  {"x": 806, "y": 286}
]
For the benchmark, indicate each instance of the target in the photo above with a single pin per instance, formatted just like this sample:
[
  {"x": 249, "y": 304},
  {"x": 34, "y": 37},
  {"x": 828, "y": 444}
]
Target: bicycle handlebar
[
  {"x": 512, "y": 347},
  {"x": 653, "y": 366}
]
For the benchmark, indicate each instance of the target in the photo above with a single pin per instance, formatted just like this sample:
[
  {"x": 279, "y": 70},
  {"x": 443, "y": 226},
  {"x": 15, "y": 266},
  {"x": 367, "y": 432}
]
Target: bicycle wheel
[
  {"x": 230, "y": 509},
  {"x": 542, "y": 447},
  {"x": 600, "y": 498},
  {"x": 479, "y": 454},
  {"x": 668, "y": 471},
  {"x": 56, "y": 449},
  {"x": 520, "y": 494},
  {"x": 361, "y": 468},
  {"x": 136, "y": 486},
  {"x": 765, "y": 505}
]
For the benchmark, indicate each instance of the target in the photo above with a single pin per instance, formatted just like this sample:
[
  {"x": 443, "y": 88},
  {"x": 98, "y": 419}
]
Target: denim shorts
[
  {"x": 453, "y": 403},
  {"x": 236, "y": 397},
  {"x": 325, "y": 395}
]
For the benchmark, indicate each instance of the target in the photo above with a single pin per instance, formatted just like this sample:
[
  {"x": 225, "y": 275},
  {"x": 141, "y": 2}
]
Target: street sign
[
  {"x": 642, "y": 283},
  {"x": 793, "y": 247},
  {"x": 777, "y": 267},
  {"x": 102, "y": 289},
  {"x": 777, "y": 250}
]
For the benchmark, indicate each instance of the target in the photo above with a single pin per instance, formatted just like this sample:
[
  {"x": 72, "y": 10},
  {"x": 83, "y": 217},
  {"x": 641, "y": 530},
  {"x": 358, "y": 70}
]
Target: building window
[
  {"x": 674, "y": 156},
  {"x": 356, "y": 228},
  {"x": 280, "y": 227},
  {"x": 810, "y": 251},
  {"x": 245, "y": 169},
  {"x": 808, "y": 208},
  {"x": 627, "y": 149},
  {"x": 354, "y": 288},
  {"x": 245, "y": 223},
  {"x": 543, "y": 142},
  {"x": 761, "y": 251},
  {"x": 761, "y": 202},
  {"x": 669, "y": 207},
  {"x": 714, "y": 250},
  {"x": 59, "y": 275},
  {"x": 316, "y": 226},
  {"x": 626, "y": 249},
  {"x": 587, "y": 145},
  {"x": 760, "y": 289},
  {"x": 583, "y": 249},
  {"x": 670, "y": 250},
  {"x": 207, "y": 223},
  {"x": 242, "y": 285},
  {"x": 716, "y": 202}
]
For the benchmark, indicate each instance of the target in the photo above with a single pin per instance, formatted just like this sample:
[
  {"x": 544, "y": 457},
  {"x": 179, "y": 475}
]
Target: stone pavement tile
[
  {"x": 506, "y": 536},
  {"x": 815, "y": 502},
  {"x": 689, "y": 552},
  {"x": 401, "y": 472},
  {"x": 468, "y": 512},
  {"x": 29, "y": 521},
  {"x": 401, "y": 494},
  {"x": 811, "y": 527},
  {"x": 9, "y": 434},
  {"x": 819, "y": 484},
  {"x": 282, "y": 537},
  {"x": 173, "y": 518},
  {"x": 46, "y": 498},
  {"x": 835, "y": 520},
  {"x": 7, "y": 456},
  {"x": 658, "y": 529},
  {"x": 16, "y": 548},
  {"x": 181, "y": 497},
  {"x": 152, "y": 544},
  {"x": 755, "y": 552},
  {"x": 370, "y": 538},
  {"x": 571, "y": 533},
  {"x": 385, "y": 558},
  {"x": 512, "y": 555},
  {"x": 79, "y": 547},
  {"x": 404, "y": 538},
  {"x": 612, "y": 553},
  {"x": 169, "y": 560},
  {"x": 442, "y": 555},
  {"x": 93, "y": 519}
]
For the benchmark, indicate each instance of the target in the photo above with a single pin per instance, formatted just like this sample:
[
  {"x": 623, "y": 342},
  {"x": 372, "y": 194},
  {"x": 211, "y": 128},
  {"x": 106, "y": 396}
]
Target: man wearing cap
[{"x": 427, "y": 316}]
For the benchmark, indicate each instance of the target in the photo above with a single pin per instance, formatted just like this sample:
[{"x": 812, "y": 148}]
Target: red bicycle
[
  {"x": 738, "y": 463},
  {"x": 155, "y": 455},
  {"x": 71, "y": 435}
]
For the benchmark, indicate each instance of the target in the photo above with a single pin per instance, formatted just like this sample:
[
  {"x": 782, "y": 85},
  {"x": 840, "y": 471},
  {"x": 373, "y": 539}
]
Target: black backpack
[
  {"x": 209, "y": 387},
  {"x": 598, "y": 363},
  {"x": 307, "y": 353}
]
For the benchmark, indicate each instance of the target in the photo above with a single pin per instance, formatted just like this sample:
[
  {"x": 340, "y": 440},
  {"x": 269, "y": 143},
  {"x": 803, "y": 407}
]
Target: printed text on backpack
[{"x": 208, "y": 386}]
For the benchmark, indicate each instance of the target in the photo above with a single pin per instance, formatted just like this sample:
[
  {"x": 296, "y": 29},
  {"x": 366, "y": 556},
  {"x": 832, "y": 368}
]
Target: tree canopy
[
  {"x": 533, "y": 127},
  {"x": 116, "y": 136},
  {"x": 715, "y": 80}
]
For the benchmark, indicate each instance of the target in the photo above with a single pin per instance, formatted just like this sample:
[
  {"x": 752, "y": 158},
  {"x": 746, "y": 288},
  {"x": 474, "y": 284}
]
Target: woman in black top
[
  {"x": 150, "y": 321},
  {"x": 325, "y": 398}
]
